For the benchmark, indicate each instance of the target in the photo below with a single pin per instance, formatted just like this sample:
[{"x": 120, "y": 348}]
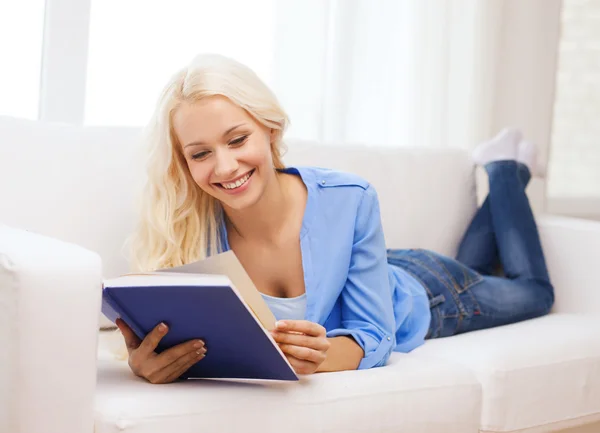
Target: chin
[
  {"x": 237, "y": 204},
  {"x": 244, "y": 199}
]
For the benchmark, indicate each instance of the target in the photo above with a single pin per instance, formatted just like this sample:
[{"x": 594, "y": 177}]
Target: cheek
[
  {"x": 262, "y": 154},
  {"x": 200, "y": 173}
]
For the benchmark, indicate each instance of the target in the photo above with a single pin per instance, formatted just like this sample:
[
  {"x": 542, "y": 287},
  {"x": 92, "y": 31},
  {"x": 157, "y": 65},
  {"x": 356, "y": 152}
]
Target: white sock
[
  {"x": 504, "y": 146},
  {"x": 527, "y": 155}
]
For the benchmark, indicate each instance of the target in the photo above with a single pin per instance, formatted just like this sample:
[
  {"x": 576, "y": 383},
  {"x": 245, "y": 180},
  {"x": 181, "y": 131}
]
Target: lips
[{"x": 237, "y": 183}]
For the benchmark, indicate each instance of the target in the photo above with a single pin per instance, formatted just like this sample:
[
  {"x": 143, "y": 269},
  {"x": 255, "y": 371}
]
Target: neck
[{"x": 264, "y": 221}]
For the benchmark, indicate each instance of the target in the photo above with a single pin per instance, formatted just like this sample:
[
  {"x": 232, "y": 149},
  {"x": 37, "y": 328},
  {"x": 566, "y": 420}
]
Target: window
[
  {"x": 574, "y": 169},
  {"x": 21, "y": 42},
  {"x": 135, "y": 44}
]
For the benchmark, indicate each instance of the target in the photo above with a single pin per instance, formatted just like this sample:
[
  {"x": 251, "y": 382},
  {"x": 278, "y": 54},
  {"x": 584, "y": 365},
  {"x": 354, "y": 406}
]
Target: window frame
[{"x": 64, "y": 61}]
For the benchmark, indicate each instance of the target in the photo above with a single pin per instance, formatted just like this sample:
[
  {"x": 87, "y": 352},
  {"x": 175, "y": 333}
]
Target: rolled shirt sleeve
[{"x": 366, "y": 299}]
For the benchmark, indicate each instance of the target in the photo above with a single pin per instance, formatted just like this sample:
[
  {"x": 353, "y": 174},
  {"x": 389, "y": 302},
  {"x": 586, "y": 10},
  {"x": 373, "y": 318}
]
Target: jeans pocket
[
  {"x": 458, "y": 275},
  {"x": 467, "y": 278}
]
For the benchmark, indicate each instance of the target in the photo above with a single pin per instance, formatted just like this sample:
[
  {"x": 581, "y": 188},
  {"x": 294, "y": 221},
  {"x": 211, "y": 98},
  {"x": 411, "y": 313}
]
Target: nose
[{"x": 226, "y": 163}]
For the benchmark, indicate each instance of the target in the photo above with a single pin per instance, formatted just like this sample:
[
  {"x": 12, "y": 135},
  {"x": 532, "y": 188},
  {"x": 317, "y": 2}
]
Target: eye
[
  {"x": 200, "y": 155},
  {"x": 238, "y": 141}
]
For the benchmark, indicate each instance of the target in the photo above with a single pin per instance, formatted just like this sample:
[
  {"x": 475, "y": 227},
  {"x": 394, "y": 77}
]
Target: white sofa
[{"x": 66, "y": 206}]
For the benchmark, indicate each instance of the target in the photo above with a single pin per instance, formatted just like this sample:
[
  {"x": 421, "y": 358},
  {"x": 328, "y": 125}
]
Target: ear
[{"x": 273, "y": 134}]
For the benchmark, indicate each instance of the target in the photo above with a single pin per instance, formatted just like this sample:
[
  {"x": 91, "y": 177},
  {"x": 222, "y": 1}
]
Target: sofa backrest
[{"x": 78, "y": 184}]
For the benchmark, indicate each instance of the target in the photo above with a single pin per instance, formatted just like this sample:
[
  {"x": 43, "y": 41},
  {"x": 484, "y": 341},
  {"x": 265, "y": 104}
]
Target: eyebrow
[{"x": 197, "y": 143}]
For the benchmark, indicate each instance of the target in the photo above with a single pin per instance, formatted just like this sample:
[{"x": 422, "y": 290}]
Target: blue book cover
[{"x": 199, "y": 306}]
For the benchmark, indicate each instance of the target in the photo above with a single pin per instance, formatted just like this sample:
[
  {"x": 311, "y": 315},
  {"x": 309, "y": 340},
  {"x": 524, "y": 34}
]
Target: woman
[{"x": 311, "y": 239}]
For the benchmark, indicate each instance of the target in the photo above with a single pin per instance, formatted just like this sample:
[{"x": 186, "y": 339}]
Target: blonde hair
[{"x": 180, "y": 223}]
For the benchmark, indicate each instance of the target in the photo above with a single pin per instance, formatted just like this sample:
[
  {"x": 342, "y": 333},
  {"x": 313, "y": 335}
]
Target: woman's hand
[
  {"x": 304, "y": 344},
  {"x": 166, "y": 367}
]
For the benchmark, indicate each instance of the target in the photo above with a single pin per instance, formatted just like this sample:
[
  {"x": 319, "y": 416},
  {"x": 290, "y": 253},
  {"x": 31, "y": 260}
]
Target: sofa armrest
[
  {"x": 50, "y": 295},
  {"x": 572, "y": 251}
]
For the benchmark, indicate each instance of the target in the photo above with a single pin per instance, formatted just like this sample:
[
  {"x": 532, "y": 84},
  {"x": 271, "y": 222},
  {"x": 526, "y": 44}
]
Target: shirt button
[
  {"x": 322, "y": 182},
  {"x": 389, "y": 339}
]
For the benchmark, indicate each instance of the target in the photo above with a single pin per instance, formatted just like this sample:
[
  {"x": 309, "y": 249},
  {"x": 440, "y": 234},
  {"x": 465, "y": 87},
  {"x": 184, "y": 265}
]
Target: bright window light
[
  {"x": 136, "y": 45},
  {"x": 574, "y": 167},
  {"x": 21, "y": 43}
]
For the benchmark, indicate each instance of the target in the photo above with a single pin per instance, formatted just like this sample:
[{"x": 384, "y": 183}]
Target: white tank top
[{"x": 287, "y": 308}]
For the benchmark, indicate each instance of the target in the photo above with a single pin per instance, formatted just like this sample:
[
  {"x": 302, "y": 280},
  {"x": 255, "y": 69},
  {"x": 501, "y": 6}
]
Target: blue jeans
[{"x": 464, "y": 295}]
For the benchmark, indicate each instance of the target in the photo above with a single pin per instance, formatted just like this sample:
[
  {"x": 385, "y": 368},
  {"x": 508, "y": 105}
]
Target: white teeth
[{"x": 238, "y": 183}]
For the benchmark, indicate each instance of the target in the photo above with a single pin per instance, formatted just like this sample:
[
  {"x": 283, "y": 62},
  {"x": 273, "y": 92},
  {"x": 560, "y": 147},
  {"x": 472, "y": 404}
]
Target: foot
[
  {"x": 503, "y": 147},
  {"x": 527, "y": 154}
]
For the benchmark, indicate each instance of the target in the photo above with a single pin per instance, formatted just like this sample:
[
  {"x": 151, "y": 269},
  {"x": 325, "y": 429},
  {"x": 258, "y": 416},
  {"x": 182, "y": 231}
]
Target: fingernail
[
  {"x": 200, "y": 352},
  {"x": 198, "y": 344},
  {"x": 162, "y": 327},
  {"x": 280, "y": 324}
]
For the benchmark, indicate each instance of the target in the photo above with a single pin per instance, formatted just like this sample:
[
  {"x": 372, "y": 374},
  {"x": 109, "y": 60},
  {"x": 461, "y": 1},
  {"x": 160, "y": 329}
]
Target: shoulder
[
  {"x": 339, "y": 194},
  {"x": 327, "y": 178}
]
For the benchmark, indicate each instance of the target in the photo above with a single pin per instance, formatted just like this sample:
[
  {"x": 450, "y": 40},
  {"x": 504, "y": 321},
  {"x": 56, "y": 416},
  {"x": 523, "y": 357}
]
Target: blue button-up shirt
[{"x": 351, "y": 290}]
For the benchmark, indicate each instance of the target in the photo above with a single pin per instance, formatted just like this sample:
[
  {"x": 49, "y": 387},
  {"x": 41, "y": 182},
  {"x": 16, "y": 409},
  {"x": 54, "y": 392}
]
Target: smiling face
[{"x": 227, "y": 152}]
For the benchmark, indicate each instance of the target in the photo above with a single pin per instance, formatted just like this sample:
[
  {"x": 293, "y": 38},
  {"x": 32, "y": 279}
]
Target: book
[{"x": 213, "y": 300}]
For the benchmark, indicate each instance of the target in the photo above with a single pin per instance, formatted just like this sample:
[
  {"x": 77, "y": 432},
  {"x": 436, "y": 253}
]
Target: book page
[{"x": 228, "y": 264}]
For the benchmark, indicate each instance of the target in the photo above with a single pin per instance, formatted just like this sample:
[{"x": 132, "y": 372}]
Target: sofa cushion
[
  {"x": 85, "y": 187},
  {"x": 410, "y": 394},
  {"x": 535, "y": 373},
  {"x": 71, "y": 183}
]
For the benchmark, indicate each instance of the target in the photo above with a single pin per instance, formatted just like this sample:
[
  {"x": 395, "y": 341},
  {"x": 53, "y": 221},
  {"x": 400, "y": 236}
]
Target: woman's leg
[
  {"x": 478, "y": 248},
  {"x": 513, "y": 224},
  {"x": 462, "y": 299},
  {"x": 526, "y": 292}
]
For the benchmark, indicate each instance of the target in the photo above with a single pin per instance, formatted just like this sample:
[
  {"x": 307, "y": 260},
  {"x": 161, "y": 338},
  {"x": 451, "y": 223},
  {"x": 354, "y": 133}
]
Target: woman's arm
[
  {"x": 367, "y": 298},
  {"x": 366, "y": 336},
  {"x": 343, "y": 354},
  {"x": 308, "y": 349}
]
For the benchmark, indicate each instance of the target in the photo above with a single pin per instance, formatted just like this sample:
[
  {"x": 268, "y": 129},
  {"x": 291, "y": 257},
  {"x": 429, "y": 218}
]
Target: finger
[
  {"x": 170, "y": 372},
  {"x": 152, "y": 366},
  {"x": 174, "y": 353},
  {"x": 303, "y": 326},
  {"x": 320, "y": 344},
  {"x": 131, "y": 340},
  {"x": 150, "y": 342},
  {"x": 185, "y": 363},
  {"x": 301, "y": 366},
  {"x": 303, "y": 353}
]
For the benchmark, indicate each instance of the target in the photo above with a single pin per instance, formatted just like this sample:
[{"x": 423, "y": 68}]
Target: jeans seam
[
  {"x": 474, "y": 298},
  {"x": 445, "y": 269},
  {"x": 469, "y": 282},
  {"x": 467, "y": 289},
  {"x": 454, "y": 292},
  {"x": 433, "y": 271}
]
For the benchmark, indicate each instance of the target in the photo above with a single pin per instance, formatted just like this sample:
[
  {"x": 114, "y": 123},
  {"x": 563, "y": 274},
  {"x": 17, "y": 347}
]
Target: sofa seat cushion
[
  {"x": 534, "y": 373},
  {"x": 410, "y": 394}
]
